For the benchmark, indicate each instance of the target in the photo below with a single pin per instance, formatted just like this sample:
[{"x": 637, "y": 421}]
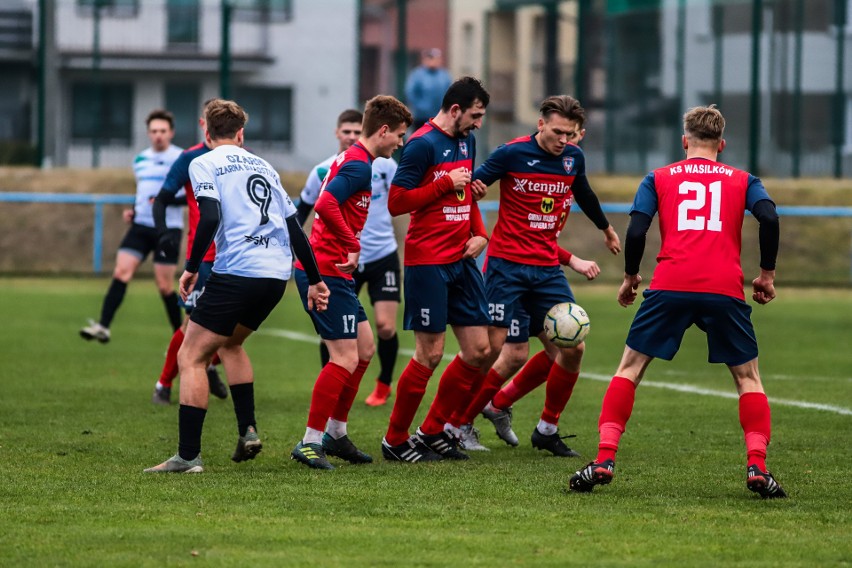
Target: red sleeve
[
  {"x": 477, "y": 225},
  {"x": 564, "y": 256},
  {"x": 402, "y": 200},
  {"x": 329, "y": 210}
]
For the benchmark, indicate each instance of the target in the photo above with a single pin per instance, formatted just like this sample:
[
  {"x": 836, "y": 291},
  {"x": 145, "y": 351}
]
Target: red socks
[
  {"x": 490, "y": 385},
  {"x": 453, "y": 392},
  {"x": 615, "y": 412},
  {"x": 560, "y": 385},
  {"x": 327, "y": 390},
  {"x": 757, "y": 427},
  {"x": 349, "y": 392},
  {"x": 528, "y": 379},
  {"x": 409, "y": 394},
  {"x": 170, "y": 367}
]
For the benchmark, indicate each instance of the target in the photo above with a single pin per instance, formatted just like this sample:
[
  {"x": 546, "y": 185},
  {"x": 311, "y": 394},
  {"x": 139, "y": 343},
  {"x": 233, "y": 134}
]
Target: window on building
[
  {"x": 183, "y": 22},
  {"x": 103, "y": 111},
  {"x": 119, "y": 8},
  {"x": 182, "y": 100},
  {"x": 263, "y": 10},
  {"x": 270, "y": 113}
]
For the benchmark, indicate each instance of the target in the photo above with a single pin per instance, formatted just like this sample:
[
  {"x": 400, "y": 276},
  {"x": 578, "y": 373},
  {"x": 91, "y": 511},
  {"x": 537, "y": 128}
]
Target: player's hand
[
  {"x": 764, "y": 287},
  {"x": 187, "y": 283},
  {"x": 474, "y": 246},
  {"x": 318, "y": 297},
  {"x": 611, "y": 240},
  {"x": 588, "y": 268},
  {"x": 627, "y": 291},
  {"x": 128, "y": 215},
  {"x": 478, "y": 189},
  {"x": 460, "y": 177},
  {"x": 351, "y": 264}
]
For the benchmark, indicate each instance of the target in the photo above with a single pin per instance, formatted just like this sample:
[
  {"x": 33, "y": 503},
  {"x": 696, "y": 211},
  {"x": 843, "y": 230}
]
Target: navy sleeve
[
  {"x": 178, "y": 175},
  {"x": 755, "y": 192},
  {"x": 416, "y": 157},
  {"x": 352, "y": 177},
  {"x": 646, "y": 197},
  {"x": 493, "y": 168}
]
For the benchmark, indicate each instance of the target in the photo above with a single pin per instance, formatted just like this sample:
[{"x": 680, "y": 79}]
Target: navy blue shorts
[
  {"x": 441, "y": 294},
  {"x": 664, "y": 316},
  {"x": 344, "y": 313},
  {"x": 229, "y": 300},
  {"x": 519, "y": 326},
  {"x": 204, "y": 271},
  {"x": 510, "y": 285}
]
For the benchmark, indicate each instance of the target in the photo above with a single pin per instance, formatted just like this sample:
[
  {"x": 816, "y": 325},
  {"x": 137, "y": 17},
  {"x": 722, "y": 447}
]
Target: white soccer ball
[{"x": 566, "y": 325}]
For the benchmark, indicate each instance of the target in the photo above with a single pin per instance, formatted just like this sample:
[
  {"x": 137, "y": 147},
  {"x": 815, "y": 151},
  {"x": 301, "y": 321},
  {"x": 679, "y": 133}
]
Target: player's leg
[
  {"x": 163, "y": 387},
  {"x": 561, "y": 378},
  {"x": 165, "y": 266},
  {"x": 199, "y": 344},
  {"x": 336, "y": 441},
  {"x": 126, "y": 263},
  {"x": 388, "y": 349},
  {"x": 657, "y": 331},
  {"x": 425, "y": 314},
  {"x": 338, "y": 327},
  {"x": 382, "y": 279},
  {"x": 731, "y": 340}
]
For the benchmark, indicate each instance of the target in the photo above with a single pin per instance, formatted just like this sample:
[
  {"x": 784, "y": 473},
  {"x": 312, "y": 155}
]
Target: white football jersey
[
  {"x": 150, "y": 169},
  {"x": 252, "y": 239},
  {"x": 377, "y": 238}
]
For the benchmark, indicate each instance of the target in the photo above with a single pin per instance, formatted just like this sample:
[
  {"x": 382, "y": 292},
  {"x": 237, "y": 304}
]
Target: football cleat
[
  {"x": 502, "y": 420},
  {"x": 162, "y": 395},
  {"x": 312, "y": 455},
  {"x": 380, "y": 395},
  {"x": 763, "y": 484},
  {"x": 217, "y": 387},
  {"x": 177, "y": 464},
  {"x": 344, "y": 449},
  {"x": 443, "y": 444},
  {"x": 95, "y": 331},
  {"x": 552, "y": 443},
  {"x": 412, "y": 450},
  {"x": 469, "y": 439},
  {"x": 248, "y": 446},
  {"x": 593, "y": 474}
]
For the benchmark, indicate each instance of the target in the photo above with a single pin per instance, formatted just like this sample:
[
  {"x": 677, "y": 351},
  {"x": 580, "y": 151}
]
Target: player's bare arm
[
  {"x": 187, "y": 283},
  {"x": 318, "y": 297},
  {"x": 627, "y": 292},
  {"x": 127, "y": 215},
  {"x": 351, "y": 263},
  {"x": 478, "y": 189},
  {"x": 460, "y": 177},
  {"x": 588, "y": 268},
  {"x": 764, "y": 287},
  {"x": 611, "y": 240}
]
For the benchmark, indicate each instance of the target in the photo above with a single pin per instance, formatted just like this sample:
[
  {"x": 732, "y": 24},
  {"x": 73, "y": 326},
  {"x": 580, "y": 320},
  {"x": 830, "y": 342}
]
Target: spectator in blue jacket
[{"x": 425, "y": 87}]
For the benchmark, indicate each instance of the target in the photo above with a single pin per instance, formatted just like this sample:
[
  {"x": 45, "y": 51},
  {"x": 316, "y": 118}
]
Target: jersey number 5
[
  {"x": 260, "y": 193},
  {"x": 697, "y": 223}
]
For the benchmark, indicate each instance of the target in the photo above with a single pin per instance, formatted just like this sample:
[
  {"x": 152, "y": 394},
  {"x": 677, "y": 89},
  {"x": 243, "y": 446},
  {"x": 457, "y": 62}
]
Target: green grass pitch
[{"x": 78, "y": 428}]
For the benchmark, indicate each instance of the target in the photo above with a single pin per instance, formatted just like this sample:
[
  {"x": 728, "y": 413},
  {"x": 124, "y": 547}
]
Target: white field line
[{"x": 306, "y": 338}]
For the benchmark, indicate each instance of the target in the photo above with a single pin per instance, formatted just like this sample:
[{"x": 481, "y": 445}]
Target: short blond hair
[
  {"x": 704, "y": 124},
  {"x": 224, "y": 118},
  {"x": 384, "y": 109}
]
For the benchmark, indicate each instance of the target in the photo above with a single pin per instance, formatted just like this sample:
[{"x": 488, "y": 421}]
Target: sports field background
[{"x": 77, "y": 428}]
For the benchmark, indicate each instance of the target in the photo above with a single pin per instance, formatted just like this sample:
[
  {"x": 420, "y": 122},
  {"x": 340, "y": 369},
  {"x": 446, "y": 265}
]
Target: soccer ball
[{"x": 566, "y": 325}]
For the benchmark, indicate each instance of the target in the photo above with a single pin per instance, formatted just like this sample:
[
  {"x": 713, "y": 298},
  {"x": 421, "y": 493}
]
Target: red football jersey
[
  {"x": 349, "y": 181},
  {"x": 701, "y": 206},
  {"x": 437, "y": 232}
]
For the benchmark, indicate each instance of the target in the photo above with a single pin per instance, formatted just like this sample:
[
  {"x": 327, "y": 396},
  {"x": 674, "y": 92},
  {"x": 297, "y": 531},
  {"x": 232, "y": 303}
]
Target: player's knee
[
  {"x": 123, "y": 274},
  {"x": 348, "y": 360},
  {"x": 430, "y": 359},
  {"x": 477, "y": 354},
  {"x": 573, "y": 355},
  {"x": 385, "y": 329},
  {"x": 165, "y": 288},
  {"x": 366, "y": 351}
]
